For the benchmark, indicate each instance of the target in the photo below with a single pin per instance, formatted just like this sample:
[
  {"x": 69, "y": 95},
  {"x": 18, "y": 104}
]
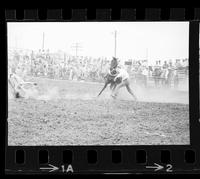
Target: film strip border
[
  {"x": 102, "y": 160},
  {"x": 126, "y": 14},
  {"x": 109, "y": 159}
]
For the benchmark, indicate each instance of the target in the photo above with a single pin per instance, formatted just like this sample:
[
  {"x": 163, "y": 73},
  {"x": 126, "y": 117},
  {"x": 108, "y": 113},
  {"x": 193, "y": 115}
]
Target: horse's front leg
[{"x": 103, "y": 88}]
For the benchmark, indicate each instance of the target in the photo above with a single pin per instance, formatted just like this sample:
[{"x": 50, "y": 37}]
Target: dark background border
[{"x": 104, "y": 163}]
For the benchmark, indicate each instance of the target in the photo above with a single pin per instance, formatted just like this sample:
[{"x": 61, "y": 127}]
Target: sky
[{"x": 134, "y": 40}]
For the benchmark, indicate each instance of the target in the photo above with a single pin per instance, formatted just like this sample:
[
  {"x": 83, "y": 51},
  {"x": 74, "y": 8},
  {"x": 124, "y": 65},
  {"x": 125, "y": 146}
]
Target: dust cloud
[
  {"x": 162, "y": 95},
  {"x": 50, "y": 94},
  {"x": 159, "y": 95},
  {"x": 89, "y": 91}
]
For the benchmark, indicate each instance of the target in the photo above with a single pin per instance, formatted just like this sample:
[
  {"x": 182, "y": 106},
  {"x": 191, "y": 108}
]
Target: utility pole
[
  {"x": 16, "y": 42},
  {"x": 43, "y": 41},
  {"x": 115, "y": 47},
  {"x": 77, "y": 47},
  {"x": 147, "y": 55}
]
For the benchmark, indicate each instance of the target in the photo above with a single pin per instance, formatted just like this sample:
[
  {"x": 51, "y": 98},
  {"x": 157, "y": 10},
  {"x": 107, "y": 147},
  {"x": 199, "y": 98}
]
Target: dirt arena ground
[{"x": 68, "y": 113}]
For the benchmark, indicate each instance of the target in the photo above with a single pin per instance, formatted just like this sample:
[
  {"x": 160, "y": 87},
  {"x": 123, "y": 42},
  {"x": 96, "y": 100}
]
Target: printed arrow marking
[
  {"x": 51, "y": 168},
  {"x": 156, "y": 167}
]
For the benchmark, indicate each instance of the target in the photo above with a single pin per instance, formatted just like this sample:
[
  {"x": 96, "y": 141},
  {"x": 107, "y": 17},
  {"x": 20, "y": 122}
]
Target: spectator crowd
[
  {"x": 62, "y": 66},
  {"x": 58, "y": 65},
  {"x": 166, "y": 74}
]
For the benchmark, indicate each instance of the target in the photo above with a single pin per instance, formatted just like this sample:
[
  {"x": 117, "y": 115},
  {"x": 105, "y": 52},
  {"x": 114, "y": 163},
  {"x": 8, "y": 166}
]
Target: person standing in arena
[{"x": 123, "y": 74}]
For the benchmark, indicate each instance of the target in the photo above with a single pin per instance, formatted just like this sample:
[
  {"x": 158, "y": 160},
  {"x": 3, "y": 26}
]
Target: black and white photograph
[{"x": 98, "y": 83}]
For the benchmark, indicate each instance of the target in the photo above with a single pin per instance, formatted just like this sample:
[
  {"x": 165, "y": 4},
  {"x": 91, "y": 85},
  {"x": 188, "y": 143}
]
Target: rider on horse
[
  {"x": 117, "y": 78},
  {"x": 121, "y": 76},
  {"x": 112, "y": 73}
]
